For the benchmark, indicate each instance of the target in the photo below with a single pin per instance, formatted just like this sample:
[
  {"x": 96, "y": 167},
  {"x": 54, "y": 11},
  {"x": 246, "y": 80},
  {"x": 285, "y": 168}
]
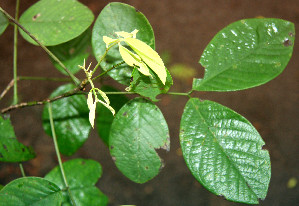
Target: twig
[
  {"x": 75, "y": 80},
  {"x": 10, "y": 85},
  {"x": 28, "y": 104}
]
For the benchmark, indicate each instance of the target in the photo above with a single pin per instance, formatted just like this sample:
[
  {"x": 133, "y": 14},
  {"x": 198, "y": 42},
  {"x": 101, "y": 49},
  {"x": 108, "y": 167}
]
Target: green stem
[
  {"x": 45, "y": 79},
  {"x": 58, "y": 154},
  {"x": 105, "y": 72},
  {"x": 15, "y": 56},
  {"x": 116, "y": 93},
  {"x": 102, "y": 57},
  {"x": 179, "y": 93},
  {"x": 22, "y": 170},
  {"x": 75, "y": 80}
]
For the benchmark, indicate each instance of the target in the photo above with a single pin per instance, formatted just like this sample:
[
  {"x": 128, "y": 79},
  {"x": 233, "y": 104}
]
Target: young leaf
[
  {"x": 11, "y": 150},
  {"x": 104, "y": 116},
  {"x": 137, "y": 130},
  {"x": 72, "y": 53},
  {"x": 3, "y": 22},
  {"x": 54, "y": 22},
  {"x": 82, "y": 175},
  {"x": 30, "y": 191},
  {"x": 149, "y": 87},
  {"x": 246, "y": 54},
  {"x": 149, "y": 56},
  {"x": 113, "y": 18},
  {"x": 70, "y": 120},
  {"x": 224, "y": 152}
]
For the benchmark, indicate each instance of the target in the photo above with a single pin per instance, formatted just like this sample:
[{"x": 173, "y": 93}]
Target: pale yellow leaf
[
  {"x": 92, "y": 113},
  {"x": 109, "y": 40},
  {"x": 149, "y": 56}
]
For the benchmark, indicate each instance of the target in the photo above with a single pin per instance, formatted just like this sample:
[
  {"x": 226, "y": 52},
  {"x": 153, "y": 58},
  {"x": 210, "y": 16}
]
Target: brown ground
[{"x": 182, "y": 28}]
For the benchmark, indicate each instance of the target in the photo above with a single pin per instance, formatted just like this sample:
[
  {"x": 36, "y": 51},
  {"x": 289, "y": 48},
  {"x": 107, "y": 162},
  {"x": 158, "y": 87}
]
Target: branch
[
  {"x": 75, "y": 80},
  {"x": 10, "y": 85},
  {"x": 74, "y": 91}
]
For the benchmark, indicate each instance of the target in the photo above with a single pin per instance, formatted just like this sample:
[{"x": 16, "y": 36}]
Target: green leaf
[
  {"x": 116, "y": 17},
  {"x": 137, "y": 130},
  {"x": 148, "y": 86},
  {"x": 30, "y": 191},
  {"x": 71, "y": 122},
  {"x": 224, "y": 152},
  {"x": 3, "y": 22},
  {"x": 82, "y": 175},
  {"x": 54, "y": 22},
  {"x": 104, "y": 116},
  {"x": 72, "y": 53},
  {"x": 11, "y": 150},
  {"x": 246, "y": 54}
]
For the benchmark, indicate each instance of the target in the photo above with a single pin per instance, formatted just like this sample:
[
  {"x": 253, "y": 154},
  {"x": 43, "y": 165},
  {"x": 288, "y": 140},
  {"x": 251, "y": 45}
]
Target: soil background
[{"x": 183, "y": 29}]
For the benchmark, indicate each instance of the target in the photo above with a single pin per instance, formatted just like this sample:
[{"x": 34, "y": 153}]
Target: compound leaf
[
  {"x": 72, "y": 53},
  {"x": 30, "y": 191},
  {"x": 71, "y": 122},
  {"x": 82, "y": 175},
  {"x": 137, "y": 130},
  {"x": 224, "y": 152},
  {"x": 11, "y": 150},
  {"x": 246, "y": 54},
  {"x": 116, "y": 17},
  {"x": 54, "y": 22}
]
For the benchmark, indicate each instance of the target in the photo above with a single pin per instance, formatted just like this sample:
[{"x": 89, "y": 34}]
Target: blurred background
[{"x": 182, "y": 30}]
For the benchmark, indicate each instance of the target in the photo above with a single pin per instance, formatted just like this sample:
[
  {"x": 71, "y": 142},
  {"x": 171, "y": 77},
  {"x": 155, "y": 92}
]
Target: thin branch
[
  {"x": 42, "y": 102},
  {"x": 105, "y": 72},
  {"x": 58, "y": 154},
  {"x": 10, "y": 85},
  {"x": 15, "y": 56},
  {"x": 75, "y": 80}
]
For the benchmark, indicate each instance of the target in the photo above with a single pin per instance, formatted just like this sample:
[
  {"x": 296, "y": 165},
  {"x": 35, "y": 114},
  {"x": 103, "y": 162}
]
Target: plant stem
[
  {"x": 22, "y": 170},
  {"x": 33, "y": 103},
  {"x": 10, "y": 85},
  {"x": 58, "y": 154},
  {"x": 179, "y": 93},
  {"x": 15, "y": 56},
  {"x": 105, "y": 72},
  {"x": 102, "y": 57},
  {"x": 75, "y": 80},
  {"x": 45, "y": 79}
]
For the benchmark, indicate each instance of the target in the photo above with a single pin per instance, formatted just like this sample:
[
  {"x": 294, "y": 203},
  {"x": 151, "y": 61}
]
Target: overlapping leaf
[
  {"x": 11, "y": 150},
  {"x": 137, "y": 130},
  {"x": 246, "y": 54},
  {"x": 30, "y": 191},
  {"x": 224, "y": 152},
  {"x": 149, "y": 86},
  {"x": 71, "y": 122},
  {"x": 116, "y": 17},
  {"x": 82, "y": 175},
  {"x": 72, "y": 53},
  {"x": 54, "y": 22},
  {"x": 3, "y": 22}
]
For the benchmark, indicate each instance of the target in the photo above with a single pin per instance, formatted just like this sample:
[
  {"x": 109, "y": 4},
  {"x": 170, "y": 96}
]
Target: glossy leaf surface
[
  {"x": 104, "y": 116},
  {"x": 149, "y": 86},
  {"x": 137, "y": 130},
  {"x": 3, "y": 22},
  {"x": 116, "y": 17},
  {"x": 11, "y": 150},
  {"x": 246, "y": 54},
  {"x": 72, "y": 53},
  {"x": 82, "y": 175},
  {"x": 54, "y": 22},
  {"x": 224, "y": 152},
  {"x": 71, "y": 122},
  {"x": 30, "y": 191}
]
